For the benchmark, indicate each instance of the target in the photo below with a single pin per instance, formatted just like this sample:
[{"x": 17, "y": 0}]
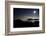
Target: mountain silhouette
[{"x": 19, "y": 23}]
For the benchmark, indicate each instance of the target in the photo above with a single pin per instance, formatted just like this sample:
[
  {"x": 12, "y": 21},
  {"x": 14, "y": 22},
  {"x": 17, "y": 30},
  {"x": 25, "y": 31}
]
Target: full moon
[{"x": 34, "y": 12}]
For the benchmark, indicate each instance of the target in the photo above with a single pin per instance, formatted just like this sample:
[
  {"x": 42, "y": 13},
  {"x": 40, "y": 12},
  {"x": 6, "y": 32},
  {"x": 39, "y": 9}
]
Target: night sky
[{"x": 25, "y": 13}]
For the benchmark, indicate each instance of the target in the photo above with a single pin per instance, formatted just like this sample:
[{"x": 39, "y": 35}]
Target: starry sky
[{"x": 26, "y": 13}]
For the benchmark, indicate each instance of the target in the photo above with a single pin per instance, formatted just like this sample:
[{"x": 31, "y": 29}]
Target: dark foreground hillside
[{"x": 19, "y": 24}]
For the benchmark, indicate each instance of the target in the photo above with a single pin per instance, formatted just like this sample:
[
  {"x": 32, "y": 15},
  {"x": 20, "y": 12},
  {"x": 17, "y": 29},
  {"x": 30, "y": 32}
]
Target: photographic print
[{"x": 25, "y": 17}]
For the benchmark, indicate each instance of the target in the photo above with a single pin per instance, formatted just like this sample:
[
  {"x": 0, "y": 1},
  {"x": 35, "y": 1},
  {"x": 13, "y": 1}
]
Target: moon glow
[{"x": 34, "y": 12}]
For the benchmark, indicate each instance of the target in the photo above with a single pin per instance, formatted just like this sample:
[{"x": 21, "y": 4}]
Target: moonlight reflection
[{"x": 25, "y": 17}]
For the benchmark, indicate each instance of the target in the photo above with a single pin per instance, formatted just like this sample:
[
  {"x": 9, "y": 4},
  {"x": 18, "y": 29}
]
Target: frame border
[{"x": 7, "y": 15}]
